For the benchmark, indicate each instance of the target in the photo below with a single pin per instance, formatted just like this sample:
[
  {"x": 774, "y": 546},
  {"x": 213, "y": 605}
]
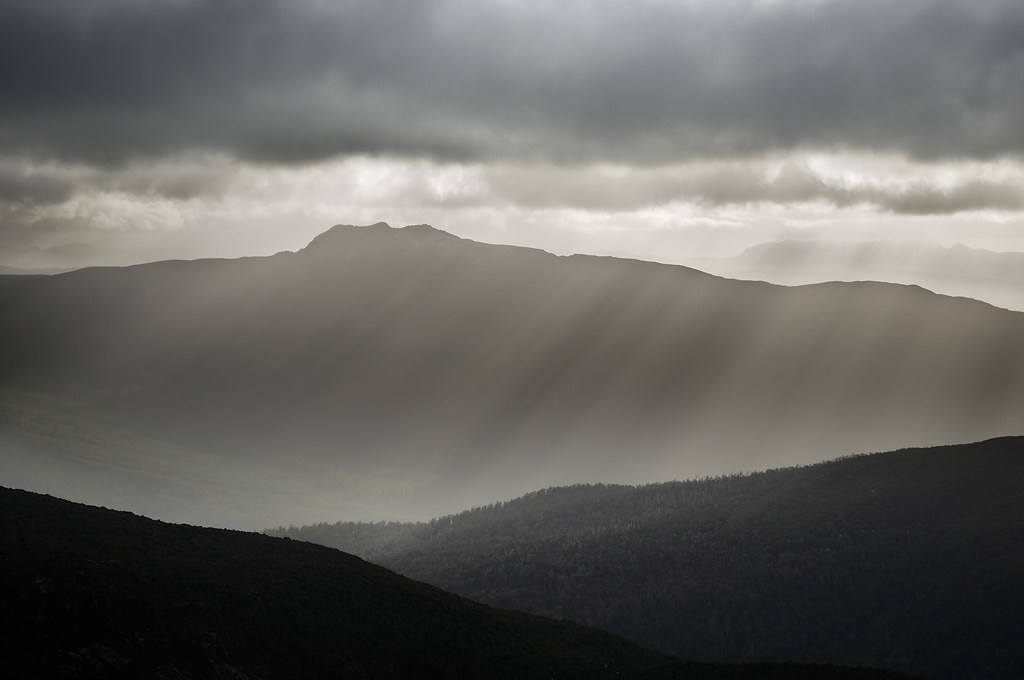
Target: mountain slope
[
  {"x": 996, "y": 278},
  {"x": 908, "y": 560},
  {"x": 73, "y": 450},
  {"x": 92, "y": 593},
  {"x": 434, "y": 372}
]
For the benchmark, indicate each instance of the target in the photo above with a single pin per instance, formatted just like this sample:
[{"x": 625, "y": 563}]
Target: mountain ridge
[
  {"x": 959, "y": 270},
  {"x": 460, "y": 371}
]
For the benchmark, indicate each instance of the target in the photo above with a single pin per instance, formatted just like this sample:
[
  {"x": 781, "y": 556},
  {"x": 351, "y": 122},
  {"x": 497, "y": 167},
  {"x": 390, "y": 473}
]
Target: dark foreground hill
[
  {"x": 909, "y": 560},
  {"x": 93, "y": 593},
  {"x": 384, "y": 370}
]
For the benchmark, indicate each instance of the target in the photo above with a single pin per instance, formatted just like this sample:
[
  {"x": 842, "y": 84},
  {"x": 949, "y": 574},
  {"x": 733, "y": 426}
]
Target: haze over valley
[{"x": 384, "y": 373}]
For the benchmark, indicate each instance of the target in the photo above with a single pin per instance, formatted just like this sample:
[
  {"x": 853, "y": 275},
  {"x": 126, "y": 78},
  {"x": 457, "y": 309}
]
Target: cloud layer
[
  {"x": 838, "y": 181},
  {"x": 629, "y": 82},
  {"x": 186, "y": 123}
]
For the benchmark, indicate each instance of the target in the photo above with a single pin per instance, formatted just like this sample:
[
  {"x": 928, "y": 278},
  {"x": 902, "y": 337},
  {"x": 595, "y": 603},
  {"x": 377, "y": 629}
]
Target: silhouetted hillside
[
  {"x": 411, "y": 371},
  {"x": 93, "y": 593},
  {"x": 909, "y": 560}
]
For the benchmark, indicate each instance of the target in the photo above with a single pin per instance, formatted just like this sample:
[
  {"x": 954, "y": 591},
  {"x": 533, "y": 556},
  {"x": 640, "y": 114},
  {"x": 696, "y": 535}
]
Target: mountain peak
[{"x": 345, "y": 236}]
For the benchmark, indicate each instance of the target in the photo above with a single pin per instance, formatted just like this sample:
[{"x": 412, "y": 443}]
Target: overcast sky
[{"x": 144, "y": 129}]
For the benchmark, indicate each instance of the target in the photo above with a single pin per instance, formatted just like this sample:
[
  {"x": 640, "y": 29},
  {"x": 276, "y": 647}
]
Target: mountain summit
[{"x": 343, "y": 236}]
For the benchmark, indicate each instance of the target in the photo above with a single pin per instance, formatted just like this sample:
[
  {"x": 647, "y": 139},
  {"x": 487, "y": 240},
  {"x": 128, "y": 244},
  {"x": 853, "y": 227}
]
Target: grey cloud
[
  {"x": 918, "y": 197},
  {"x": 173, "y": 180},
  {"x": 23, "y": 185},
  {"x": 586, "y": 188},
  {"x": 795, "y": 183},
  {"x": 728, "y": 183},
  {"x": 650, "y": 82},
  {"x": 975, "y": 194},
  {"x": 42, "y": 204}
]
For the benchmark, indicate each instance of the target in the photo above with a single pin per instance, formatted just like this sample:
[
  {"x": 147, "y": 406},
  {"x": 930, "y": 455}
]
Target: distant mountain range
[
  {"x": 4, "y": 271},
  {"x": 93, "y": 593},
  {"x": 996, "y": 278},
  {"x": 405, "y": 373},
  {"x": 908, "y": 560}
]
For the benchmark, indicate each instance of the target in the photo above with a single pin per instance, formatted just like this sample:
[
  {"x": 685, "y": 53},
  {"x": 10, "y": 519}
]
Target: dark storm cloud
[
  {"x": 25, "y": 183},
  {"x": 642, "y": 81},
  {"x": 28, "y": 186}
]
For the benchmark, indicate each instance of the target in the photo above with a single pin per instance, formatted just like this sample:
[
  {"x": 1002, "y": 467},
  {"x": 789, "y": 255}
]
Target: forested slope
[
  {"x": 908, "y": 560},
  {"x": 92, "y": 593}
]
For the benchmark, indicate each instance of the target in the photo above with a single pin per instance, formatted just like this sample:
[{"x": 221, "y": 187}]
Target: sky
[{"x": 135, "y": 130}]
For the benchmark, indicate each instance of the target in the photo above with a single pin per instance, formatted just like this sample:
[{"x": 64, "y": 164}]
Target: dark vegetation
[
  {"x": 908, "y": 560},
  {"x": 420, "y": 373},
  {"x": 92, "y": 593}
]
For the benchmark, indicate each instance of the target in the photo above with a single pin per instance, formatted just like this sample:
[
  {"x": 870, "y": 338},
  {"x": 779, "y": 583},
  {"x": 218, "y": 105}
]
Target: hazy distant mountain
[
  {"x": 53, "y": 259},
  {"x": 15, "y": 271},
  {"x": 908, "y": 560},
  {"x": 92, "y": 593},
  {"x": 407, "y": 372},
  {"x": 996, "y": 278}
]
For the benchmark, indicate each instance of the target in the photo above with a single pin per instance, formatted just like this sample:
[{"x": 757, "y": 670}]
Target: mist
[{"x": 384, "y": 373}]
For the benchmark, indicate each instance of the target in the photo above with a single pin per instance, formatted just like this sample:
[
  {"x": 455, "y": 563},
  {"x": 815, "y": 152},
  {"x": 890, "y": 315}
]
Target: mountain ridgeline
[
  {"x": 908, "y": 560},
  {"x": 407, "y": 372},
  {"x": 93, "y": 593},
  {"x": 997, "y": 278}
]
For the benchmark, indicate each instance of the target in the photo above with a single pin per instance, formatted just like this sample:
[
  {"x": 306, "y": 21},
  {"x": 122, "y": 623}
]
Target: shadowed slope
[
  {"x": 92, "y": 593},
  {"x": 908, "y": 560}
]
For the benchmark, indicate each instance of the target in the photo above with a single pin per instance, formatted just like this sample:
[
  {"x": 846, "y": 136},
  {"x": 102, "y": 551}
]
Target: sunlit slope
[{"x": 471, "y": 365}]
